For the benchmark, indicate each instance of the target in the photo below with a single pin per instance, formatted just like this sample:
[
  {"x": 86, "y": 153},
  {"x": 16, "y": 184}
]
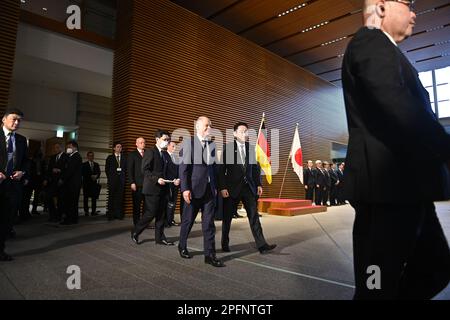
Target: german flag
[{"x": 263, "y": 151}]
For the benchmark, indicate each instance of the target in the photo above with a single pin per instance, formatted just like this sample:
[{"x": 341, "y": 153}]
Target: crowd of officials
[
  {"x": 324, "y": 184},
  {"x": 155, "y": 176}
]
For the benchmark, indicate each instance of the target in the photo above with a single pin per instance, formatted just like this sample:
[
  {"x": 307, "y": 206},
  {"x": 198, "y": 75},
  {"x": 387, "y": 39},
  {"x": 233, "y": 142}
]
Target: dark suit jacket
[
  {"x": 115, "y": 177},
  {"x": 153, "y": 169},
  {"x": 52, "y": 178},
  {"x": 308, "y": 178},
  {"x": 90, "y": 186},
  {"x": 171, "y": 169},
  {"x": 333, "y": 176},
  {"x": 21, "y": 162},
  {"x": 231, "y": 174},
  {"x": 319, "y": 177},
  {"x": 71, "y": 174},
  {"x": 194, "y": 173},
  {"x": 390, "y": 122},
  {"x": 134, "y": 168}
]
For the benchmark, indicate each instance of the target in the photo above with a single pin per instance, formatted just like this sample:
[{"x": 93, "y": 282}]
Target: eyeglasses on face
[{"x": 410, "y": 4}]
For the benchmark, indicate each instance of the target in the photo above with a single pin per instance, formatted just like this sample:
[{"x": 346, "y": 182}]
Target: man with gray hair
[
  {"x": 198, "y": 175},
  {"x": 400, "y": 251}
]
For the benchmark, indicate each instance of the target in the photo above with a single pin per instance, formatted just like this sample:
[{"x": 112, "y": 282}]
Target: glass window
[
  {"x": 444, "y": 109},
  {"x": 442, "y": 76},
  {"x": 426, "y": 78}
]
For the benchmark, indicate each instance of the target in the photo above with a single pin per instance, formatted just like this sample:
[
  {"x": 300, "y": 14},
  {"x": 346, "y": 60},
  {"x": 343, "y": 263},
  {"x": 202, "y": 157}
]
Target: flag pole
[{"x": 287, "y": 164}]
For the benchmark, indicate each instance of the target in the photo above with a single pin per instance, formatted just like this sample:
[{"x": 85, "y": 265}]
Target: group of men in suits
[
  {"x": 199, "y": 177},
  {"x": 324, "y": 184}
]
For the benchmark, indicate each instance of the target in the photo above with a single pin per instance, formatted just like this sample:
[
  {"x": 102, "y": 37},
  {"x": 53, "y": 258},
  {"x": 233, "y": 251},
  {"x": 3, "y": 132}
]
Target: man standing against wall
[
  {"x": 115, "y": 167},
  {"x": 91, "y": 174},
  {"x": 308, "y": 180},
  {"x": 136, "y": 178}
]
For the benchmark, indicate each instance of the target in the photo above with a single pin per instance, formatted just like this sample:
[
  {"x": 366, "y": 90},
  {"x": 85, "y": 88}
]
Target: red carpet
[{"x": 288, "y": 207}]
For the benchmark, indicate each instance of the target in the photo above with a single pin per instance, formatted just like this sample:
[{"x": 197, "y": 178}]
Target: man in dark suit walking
[
  {"x": 13, "y": 166},
  {"x": 400, "y": 250},
  {"x": 91, "y": 187},
  {"x": 115, "y": 167},
  {"x": 154, "y": 166},
  {"x": 136, "y": 178},
  {"x": 239, "y": 179},
  {"x": 54, "y": 194},
  {"x": 308, "y": 181},
  {"x": 70, "y": 182},
  {"x": 198, "y": 177},
  {"x": 326, "y": 193}
]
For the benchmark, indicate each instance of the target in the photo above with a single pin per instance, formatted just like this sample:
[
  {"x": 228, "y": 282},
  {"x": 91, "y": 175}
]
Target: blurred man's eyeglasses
[{"x": 410, "y": 4}]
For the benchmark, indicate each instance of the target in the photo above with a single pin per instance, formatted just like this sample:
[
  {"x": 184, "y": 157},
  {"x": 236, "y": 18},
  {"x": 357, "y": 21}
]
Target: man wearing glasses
[{"x": 400, "y": 251}]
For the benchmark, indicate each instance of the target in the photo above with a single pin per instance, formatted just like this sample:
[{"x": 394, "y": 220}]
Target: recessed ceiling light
[
  {"x": 44, "y": 9},
  {"x": 22, "y": 1},
  {"x": 293, "y": 9}
]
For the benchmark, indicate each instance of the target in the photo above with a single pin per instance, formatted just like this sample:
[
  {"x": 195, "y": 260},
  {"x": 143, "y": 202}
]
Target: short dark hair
[
  {"x": 159, "y": 133},
  {"x": 73, "y": 143},
  {"x": 90, "y": 152},
  {"x": 13, "y": 111},
  {"x": 116, "y": 143},
  {"x": 237, "y": 125}
]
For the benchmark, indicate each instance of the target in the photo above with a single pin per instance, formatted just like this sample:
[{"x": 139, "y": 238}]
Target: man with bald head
[
  {"x": 136, "y": 178},
  {"x": 400, "y": 251},
  {"x": 197, "y": 172}
]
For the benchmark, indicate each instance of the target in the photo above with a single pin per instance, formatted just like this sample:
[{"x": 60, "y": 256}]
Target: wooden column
[{"x": 9, "y": 22}]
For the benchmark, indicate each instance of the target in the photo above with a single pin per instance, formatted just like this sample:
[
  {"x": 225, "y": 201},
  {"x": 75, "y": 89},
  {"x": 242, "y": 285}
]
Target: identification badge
[{"x": 119, "y": 169}]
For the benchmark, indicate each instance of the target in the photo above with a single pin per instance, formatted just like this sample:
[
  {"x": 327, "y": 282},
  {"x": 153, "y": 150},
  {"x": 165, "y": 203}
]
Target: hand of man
[
  {"x": 224, "y": 193},
  {"x": 45, "y": 183},
  {"x": 177, "y": 182},
  {"x": 161, "y": 182},
  {"x": 17, "y": 175},
  {"x": 187, "y": 196},
  {"x": 306, "y": 187},
  {"x": 133, "y": 187},
  {"x": 260, "y": 191},
  {"x": 2, "y": 177},
  {"x": 56, "y": 170},
  {"x": 317, "y": 186}
]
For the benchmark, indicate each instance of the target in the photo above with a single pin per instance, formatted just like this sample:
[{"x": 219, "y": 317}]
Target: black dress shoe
[
  {"x": 165, "y": 242},
  {"x": 175, "y": 224},
  {"x": 184, "y": 253},
  {"x": 266, "y": 248},
  {"x": 225, "y": 248},
  {"x": 135, "y": 238},
  {"x": 5, "y": 257},
  {"x": 212, "y": 260}
]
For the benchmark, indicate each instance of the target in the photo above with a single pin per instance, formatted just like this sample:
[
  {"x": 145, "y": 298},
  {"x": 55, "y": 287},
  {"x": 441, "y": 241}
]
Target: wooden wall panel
[
  {"x": 94, "y": 118},
  {"x": 9, "y": 22},
  {"x": 172, "y": 66}
]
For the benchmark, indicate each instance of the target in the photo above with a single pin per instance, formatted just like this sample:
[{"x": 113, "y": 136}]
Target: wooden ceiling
[{"x": 320, "y": 50}]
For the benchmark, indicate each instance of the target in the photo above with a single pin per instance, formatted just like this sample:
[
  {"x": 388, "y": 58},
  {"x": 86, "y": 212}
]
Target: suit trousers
[
  {"x": 172, "y": 198},
  {"x": 86, "y": 203},
  {"x": 207, "y": 205},
  {"x": 250, "y": 204},
  {"x": 154, "y": 209},
  {"x": 319, "y": 193},
  {"x": 70, "y": 206},
  {"x": 138, "y": 204},
  {"x": 309, "y": 193},
  {"x": 116, "y": 190},
  {"x": 408, "y": 245},
  {"x": 9, "y": 204}
]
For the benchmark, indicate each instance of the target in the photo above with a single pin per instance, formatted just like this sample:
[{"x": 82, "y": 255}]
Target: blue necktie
[{"x": 10, "y": 164}]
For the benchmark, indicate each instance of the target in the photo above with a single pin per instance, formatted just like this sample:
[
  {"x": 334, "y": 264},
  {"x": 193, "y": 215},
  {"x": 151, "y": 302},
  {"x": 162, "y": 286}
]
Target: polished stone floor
[{"x": 313, "y": 261}]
